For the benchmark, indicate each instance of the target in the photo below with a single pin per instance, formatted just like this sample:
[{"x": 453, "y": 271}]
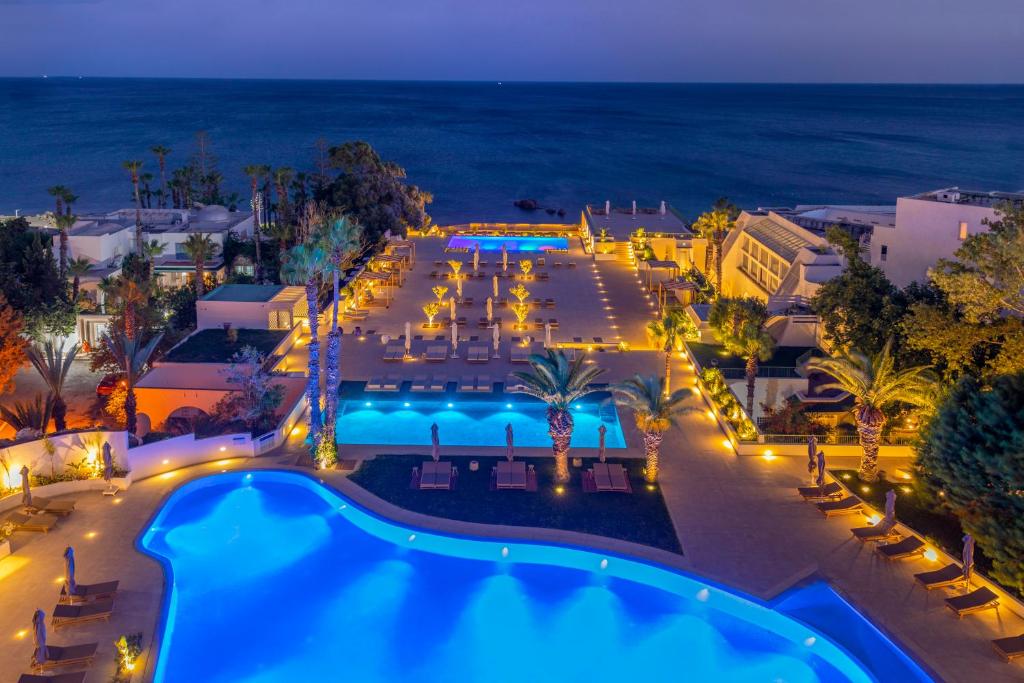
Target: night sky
[{"x": 981, "y": 41}]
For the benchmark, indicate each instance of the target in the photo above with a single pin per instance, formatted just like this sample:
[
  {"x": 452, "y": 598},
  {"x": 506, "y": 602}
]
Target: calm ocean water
[{"x": 480, "y": 146}]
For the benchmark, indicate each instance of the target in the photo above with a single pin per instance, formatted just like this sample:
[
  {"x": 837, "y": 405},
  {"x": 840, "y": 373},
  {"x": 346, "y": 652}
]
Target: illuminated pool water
[
  {"x": 512, "y": 244},
  {"x": 276, "y": 578},
  {"x": 467, "y": 422}
]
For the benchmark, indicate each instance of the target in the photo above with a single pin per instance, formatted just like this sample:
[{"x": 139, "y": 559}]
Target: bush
[
  {"x": 727, "y": 403},
  {"x": 790, "y": 418}
]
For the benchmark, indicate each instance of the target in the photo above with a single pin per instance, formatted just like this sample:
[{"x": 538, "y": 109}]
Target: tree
[
  {"x": 876, "y": 384},
  {"x": 33, "y": 415},
  {"x": 740, "y": 325},
  {"x": 28, "y": 274},
  {"x": 77, "y": 267},
  {"x": 256, "y": 173},
  {"x": 131, "y": 356},
  {"x": 133, "y": 166},
  {"x": 431, "y": 310},
  {"x": 282, "y": 179},
  {"x": 970, "y": 459},
  {"x": 12, "y": 345},
  {"x": 256, "y": 397},
  {"x": 302, "y": 267},
  {"x": 199, "y": 248},
  {"x": 654, "y": 411},
  {"x": 668, "y": 333},
  {"x": 715, "y": 226},
  {"x": 977, "y": 325},
  {"x": 130, "y": 296},
  {"x": 859, "y": 308},
  {"x": 64, "y": 223},
  {"x": 161, "y": 153},
  {"x": 558, "y": 382},
  {"x": 373, "y": 192},
  {"x": 53, "y": 364}
]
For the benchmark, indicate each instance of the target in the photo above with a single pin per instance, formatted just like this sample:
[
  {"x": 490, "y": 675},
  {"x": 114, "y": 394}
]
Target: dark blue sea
[{"x": 480, "y": 146}]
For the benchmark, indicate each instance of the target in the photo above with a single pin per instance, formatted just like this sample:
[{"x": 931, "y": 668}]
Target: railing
[
  {"x": 778, "y": 372},
  {"x": 825, "y": 440}
]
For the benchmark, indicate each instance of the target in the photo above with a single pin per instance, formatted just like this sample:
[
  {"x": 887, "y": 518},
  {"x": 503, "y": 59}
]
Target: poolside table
[{"x": 511, "y": 475}]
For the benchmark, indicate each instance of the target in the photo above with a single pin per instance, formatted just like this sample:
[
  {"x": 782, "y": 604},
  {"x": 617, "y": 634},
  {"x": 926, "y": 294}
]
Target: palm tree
[
  {"x": 200, "y": 248},
  {"x": 282, "y": 179},
  {"x": 256, "y": 173},
  {"x": 668, "y": 332},
  {"x": 34, "y": 414},
  {"x": 131, "y": 355},
  {"x": 53, "y": 364},
  {"x": 558, "y": 382},
  {"x": 283, "y": 233},
  {"x": 58, "y": 192},
  {"x": 131, "y": 296},
  {"x": 77, "y": 267},
  {"x": 64, "y": 222},
  {"x": 875, "y": 384},
  {"x": 740, "y": 325},
  {"x": 654, "y": 412},
  {"x": 133, "y": 166},
  {"x": 146, "y": 179},
  {"x": 704, "y": 227},
  {"x": 303, "y": 267},
  {"x": 720, "y": 223},
  {"x": 161, "y": 153}
]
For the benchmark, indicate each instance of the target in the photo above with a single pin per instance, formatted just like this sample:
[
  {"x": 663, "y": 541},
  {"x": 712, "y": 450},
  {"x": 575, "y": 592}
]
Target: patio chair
[
  {"x": 1009, "y": 648},
  {"x": 53, "y": 507},
  {"x": 71, "y": 655},
  {"x": 374, "y": 384},
  {"x": 519, "y": 354},
  {"x": 950, "y": 576},
  {"x": 66, "y": 615},
  {"x": 911, "y": 546},
  {"x": 438, "y": 383},
  {"x": 394, "y": 352},
  {"x": 391, "y": 383},
  {"x": 74, "y": 677},
  {"x": 846, "y": 506},
  {"x": 436, "y": 353},
  {"x": 465, "y": 384},
  {"x": 877, "y": 532},
  {"x": 513, "y": 383},
  {"x": 36, "y": 523},
  {"x": 84, "y": 592},
  {"x": 484, "y": 385},
  {"x": 819, "y": 493},
  {"x": 977, "y": 600},
  {"x": 419, "y": 383}
]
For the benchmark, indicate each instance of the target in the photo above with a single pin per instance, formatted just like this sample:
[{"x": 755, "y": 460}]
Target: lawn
[
  {"x": 212, "y": 346},
  {"x": 640, "y": 517},
  {"x": 712, "y": 355}
]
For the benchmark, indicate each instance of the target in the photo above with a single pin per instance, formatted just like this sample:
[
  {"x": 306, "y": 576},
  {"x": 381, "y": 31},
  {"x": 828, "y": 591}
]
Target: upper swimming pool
[
  {"x": 375, "y": 419},
  {"x": 512, "y": 244},
  {"x": 275, "y": 578}
]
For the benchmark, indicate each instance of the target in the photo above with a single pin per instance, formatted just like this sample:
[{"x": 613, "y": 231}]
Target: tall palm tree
[
  {"x": 146, "y": 179},
  {"x": 668, "y": 333},
  {"x": 132, "y": 296},
  {"x": 558, "y": 382},
  {"x": 720, "y": 223},
  {"x": 340, "y": 242},
  {"x": 705, "y": 227},
  {"x": 161, "y": 153},
  {"x": 131, "y": 355},
  {"x": 654, "y": 412},
  {"x": 200, "y": 248},
  {"x": 33, "y": 414},
  {"x": 875, "y": 384},
  {"x": 77, "y": 267},
  {"x": 256, "y": 173},
  {"x": 740, "y": 325},
  {"x": 133, "y": 166},
  {"x": 282, "y": 232},
  {"x": 58, "y": 192},
  {"x": 282, "y": 180},
  {"x": 64, "y": 222},
  {"x": 303, "y": 267},
  {"x": 53, "y": 364}
]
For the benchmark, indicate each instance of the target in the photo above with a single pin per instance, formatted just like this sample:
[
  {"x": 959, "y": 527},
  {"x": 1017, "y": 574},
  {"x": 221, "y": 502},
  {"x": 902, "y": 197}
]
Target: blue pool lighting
[
  {"x": 406, "y": 404},
  {"x": 368, "y": 404},
  {"x": 451, "y": 405},
  {"x": 512, "y": 244},
  {"x": 509, "y": 406}
]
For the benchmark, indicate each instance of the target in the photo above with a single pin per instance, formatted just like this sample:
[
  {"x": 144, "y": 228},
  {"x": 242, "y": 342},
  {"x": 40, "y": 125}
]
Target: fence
[
  {"x": 825, "y": 439},
  {"x": 770, "y": 371}
]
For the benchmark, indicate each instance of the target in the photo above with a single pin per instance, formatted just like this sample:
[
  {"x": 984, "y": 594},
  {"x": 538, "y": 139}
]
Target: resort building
[
  {"x": 257, "y": 307},
  {"x": 608, "y": 232}
]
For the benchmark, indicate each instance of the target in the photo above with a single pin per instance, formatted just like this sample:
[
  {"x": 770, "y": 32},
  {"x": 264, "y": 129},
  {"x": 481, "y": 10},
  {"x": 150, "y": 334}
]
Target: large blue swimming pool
[
  {"x": 512, "y": 244},
  {"x": 275, "y": 578},
  {"x": 378, "y": 419}
]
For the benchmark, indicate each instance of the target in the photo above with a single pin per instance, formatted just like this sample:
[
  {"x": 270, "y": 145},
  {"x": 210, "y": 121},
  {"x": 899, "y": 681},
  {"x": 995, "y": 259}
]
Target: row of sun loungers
[
  {"x": 831, "y": 500},
  {"x": 434, "y": 383},
  {"x": 478, "y": 384},
  {"x": 604, "y": 477}
]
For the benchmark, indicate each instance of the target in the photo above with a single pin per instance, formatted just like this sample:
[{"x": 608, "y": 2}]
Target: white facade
[{"x": 254, "y": 307}]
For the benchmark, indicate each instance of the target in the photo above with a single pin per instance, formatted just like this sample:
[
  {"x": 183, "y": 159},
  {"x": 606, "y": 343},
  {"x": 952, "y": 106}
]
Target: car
[{"x": 109, "y": 383}]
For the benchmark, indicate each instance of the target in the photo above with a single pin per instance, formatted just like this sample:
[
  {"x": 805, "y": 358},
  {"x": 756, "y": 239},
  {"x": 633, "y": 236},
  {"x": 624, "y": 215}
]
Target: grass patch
[
  {"x": 713, "y": 355},
  {"x": 917, "y": 510},
  {"x": 212, "y": 346},
  {"x": 640, "y": 517}
]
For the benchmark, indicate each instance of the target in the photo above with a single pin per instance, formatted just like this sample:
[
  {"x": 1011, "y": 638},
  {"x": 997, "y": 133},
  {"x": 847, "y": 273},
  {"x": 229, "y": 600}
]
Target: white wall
[
  {"x": 69, "y": 448},
  {"x": 242, "y": 315},
  {"x": 101, "y": 248},
  {"x": 925, "y": 231},
  {"x": 182, "y": 451}
]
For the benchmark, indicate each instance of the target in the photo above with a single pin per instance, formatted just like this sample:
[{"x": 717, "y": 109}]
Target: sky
[{"x": 879, "y": 41}]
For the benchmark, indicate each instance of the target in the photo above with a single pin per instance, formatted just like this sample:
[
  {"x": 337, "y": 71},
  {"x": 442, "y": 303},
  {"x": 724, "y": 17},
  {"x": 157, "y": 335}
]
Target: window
[
  {"x": 761, "y": 265},
  {"x": 885, "y": 252},
  {"x": 963, "y": 230}
]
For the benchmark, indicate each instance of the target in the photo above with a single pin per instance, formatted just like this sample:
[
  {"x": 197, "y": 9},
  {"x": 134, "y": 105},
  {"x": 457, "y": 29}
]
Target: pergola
[
  {"x": 677, "y": 287},
  {"x": 387, "y": 280},
  {"x": 406, "y": 248},
  {"x": 391, "y": 264},
  {"x": 654, "y": 265}
]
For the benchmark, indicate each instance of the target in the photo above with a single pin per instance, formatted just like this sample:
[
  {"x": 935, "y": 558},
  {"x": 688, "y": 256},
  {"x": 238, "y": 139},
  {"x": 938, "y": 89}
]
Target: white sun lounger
[
  {"x": 438, "y": 383},
  {"x": 466, "y": 384},
  {"x": 375, "y": 384},
  {"x": 437, "y": 353},
  {"x": 391, "y": 383},
  {"x": 419, "y": 383}
]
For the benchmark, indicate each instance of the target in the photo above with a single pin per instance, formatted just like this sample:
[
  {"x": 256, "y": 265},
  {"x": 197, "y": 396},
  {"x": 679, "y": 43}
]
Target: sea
[{"x": 478, "y": 147}]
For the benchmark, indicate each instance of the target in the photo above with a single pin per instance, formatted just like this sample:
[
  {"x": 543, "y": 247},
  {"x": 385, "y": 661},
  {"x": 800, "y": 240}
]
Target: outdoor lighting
[
  {"x": 296, "y": 431},
  {"x": 406, "y": 404},
  {"x": 221, "y": 463},
  {"x": 91, "y": 534},
  {"x": 559, "y": 489},
  {"x": 727, "y": 444},
  {"x": 846, "y": 477},
  {"x": 412, "y": 537},
  {"x": 931, "y": 555},
  {"x": 906, "y": 489},
  {"x": 368, "y": 404},
  {"x": 865, "y": 489},
  {"x": 703, "y": 594},
  {"x": 504, "y": 551},
  {"x": 165, "y": 461},
  {"x": 604, "y": 563},
  {"x": 451, "y": 405},
  {"x": 222, "y": 449},
  {"x": 508, "y": 405},
  {"x": 115, "y": 501},
  {"x": 23, "y": 632},
  {"x": 810, "y": 641},
  {"x": 167, "y": 475},
  {"x": 710, "y": 413},
  {"x": 651, "y": 487},
  {"x": 768, "y": 455},
  {"x": 59, "y": 579},
  {"x": 874, "y": 519}
]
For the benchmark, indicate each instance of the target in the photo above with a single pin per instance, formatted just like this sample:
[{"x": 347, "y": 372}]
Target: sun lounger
[
  {"x": 977, "y": 600},
  {"x": 391, "y": 383},
  {"x": 513, "y": 383},
  {"x": 84, "y": 592},
  {"x": 53, "y": 507},
  {"x": 419, "y": 383},
  {"x": 375, "y": 384},
  {"x": 818, "y": 493},
  {"x": 65, "y": 615},
  {"x": 394, "y": 352},
  {"x": 71, "y": 655},
  {"x": 1009, "y": 648},
  {"x": 38, "y": 523},
  {"x": 466, "y": 384},
  {"x": 74, "y": 677},
  {"x": 436, "y": 353},
  {"x": 911, "y": 546},
  {"x": 949, "y": 576},
  {"x": 484, "y": 385},
  {"x": 846, "y": 506},
  {"x": 437, "y": 383},
  {"x": 878, "y": 532},
  {"x": 478, "y": 354}
]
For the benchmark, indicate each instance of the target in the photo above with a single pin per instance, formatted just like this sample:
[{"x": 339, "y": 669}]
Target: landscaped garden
[
  {"x": 218, "y": 346},
  {"x": 714, "y": 355},
  {"x": 638, "y": 517}
]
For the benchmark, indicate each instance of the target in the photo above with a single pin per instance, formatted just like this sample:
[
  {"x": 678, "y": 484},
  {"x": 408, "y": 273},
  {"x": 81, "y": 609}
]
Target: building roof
[
  {"x": 209, "y": 219},
  {"x": 244, "y": 293},
  {"x": 97, "y": 228},
  {"x": 777, "y": 238},
  {"x": 954, "y": 195},
  {"x": 621, "y": 222}
]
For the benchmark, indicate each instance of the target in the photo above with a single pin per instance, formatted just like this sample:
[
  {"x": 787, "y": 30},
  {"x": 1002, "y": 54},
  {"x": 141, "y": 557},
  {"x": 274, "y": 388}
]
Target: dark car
[{"x": 109, "y": 383}]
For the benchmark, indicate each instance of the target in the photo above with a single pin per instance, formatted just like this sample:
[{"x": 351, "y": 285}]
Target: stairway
[{"x": 624, "y": 252}]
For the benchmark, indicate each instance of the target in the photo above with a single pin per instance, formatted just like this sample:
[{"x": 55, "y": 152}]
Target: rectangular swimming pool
[
  {"x": 512, "y": 244},
  {"x": 468, "y": 422}
]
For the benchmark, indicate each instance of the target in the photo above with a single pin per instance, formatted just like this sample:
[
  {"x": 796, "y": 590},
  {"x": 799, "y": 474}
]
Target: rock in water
[{"x": 527, "y": 204}]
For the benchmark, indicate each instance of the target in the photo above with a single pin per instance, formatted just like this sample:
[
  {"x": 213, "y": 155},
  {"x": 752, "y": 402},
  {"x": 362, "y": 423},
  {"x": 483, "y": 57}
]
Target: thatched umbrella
[
  {"x": 476, "y": 257},
  {"x": 408, "y": 339},
  {"x": 504, "y": 258}
]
